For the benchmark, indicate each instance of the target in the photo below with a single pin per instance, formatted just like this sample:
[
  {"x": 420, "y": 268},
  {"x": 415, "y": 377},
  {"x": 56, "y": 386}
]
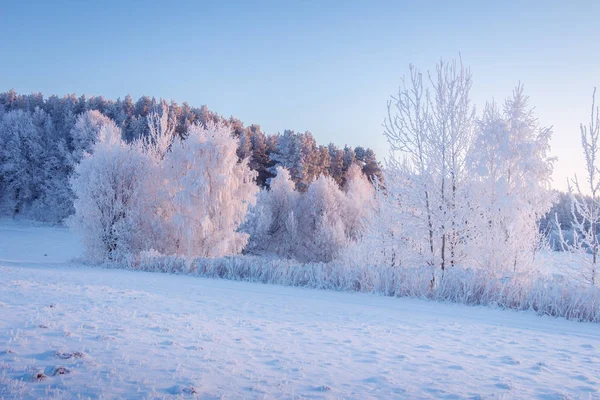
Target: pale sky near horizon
[{"x": 328, "y": 67}]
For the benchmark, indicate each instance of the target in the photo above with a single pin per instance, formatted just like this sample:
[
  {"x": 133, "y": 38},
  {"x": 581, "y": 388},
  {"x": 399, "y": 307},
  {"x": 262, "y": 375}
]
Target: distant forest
[{"x": 41, "y": 142}]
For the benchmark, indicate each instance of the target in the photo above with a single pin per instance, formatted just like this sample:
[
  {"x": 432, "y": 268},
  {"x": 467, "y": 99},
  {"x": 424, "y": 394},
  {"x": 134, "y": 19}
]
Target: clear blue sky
[{"x": 323, "y": 66}]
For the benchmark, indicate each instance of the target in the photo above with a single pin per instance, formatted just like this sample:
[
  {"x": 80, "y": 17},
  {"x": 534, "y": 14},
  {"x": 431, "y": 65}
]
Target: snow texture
[{"x": 69, "y": 331}]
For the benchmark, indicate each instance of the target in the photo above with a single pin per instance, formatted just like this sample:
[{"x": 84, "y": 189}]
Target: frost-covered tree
[
  {"x": 111, "y": 194},
  {"x": 300, "y": 155},
  {"x": 410, "y": 182},
  {"x": 161, "y": 127},
  {"x": 34, "y": 166},
  {"x": 360, "y": 203},
  {"x": 321, "y": 228},
  {"x": 371, "y": 167},
  {"x": 511, "y": 173},
  {"x": 585, "y": 213},
  {"x": 312, "y": 226},
  {"x": 451, "y": 125},
  {"x": 55, "y": 200},
  {"x": 244, "y": 150},
  {"x": 85, "y": 132},
  {"x": 348, "y": 159},
  {"x": 273, "y": 224},
  {"x": 259, "y": 160},
  {"x": 323, "y": 161},
  {"x": 209, "y": 192},
  {"x": 336, "y": 163},
  {"x": 21, "y": 157},
  {"x": 387, "y": 237},
  {"x": 429, "y": 129}
]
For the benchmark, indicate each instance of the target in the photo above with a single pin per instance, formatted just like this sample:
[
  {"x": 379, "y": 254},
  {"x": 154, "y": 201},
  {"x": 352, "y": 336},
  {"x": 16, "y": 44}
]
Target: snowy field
[{"x": 68, "y": 331}]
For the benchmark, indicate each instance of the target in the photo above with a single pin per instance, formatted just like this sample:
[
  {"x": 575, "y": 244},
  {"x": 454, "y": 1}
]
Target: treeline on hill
[{"x": 43, "y": 139}]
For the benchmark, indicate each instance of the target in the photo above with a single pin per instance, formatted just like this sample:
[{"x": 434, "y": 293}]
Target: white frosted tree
[
  {"x": 429, "y": 129},
  {"x": 450, "y": 141},
  {"x": 360, "y": 203},
  {"x": 158, "y": 223},
  {"x": 321, "y": 229},
  {"x": 85, "y": 132},
  {"x": 585, "y": 213},
  {"x": 287, "y": 154},
  {"x": 312, "y": 226},
  {"x": 511, "y": 173},
  {"x": 273, "y": 222},
  {"x": 209, "y": 192},
  {"x": 161, "y": 129},
  {"x": 110, "y": 197}
]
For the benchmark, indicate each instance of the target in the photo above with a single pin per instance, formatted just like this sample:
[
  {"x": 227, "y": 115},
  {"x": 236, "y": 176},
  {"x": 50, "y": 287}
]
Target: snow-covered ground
[{"x": 69, "y": 331}]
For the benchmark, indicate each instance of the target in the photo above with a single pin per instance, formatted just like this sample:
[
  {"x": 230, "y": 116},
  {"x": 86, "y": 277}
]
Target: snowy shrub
[
  {"x": 313, "y": 226},
  {"x": 153, "y": 261}
]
